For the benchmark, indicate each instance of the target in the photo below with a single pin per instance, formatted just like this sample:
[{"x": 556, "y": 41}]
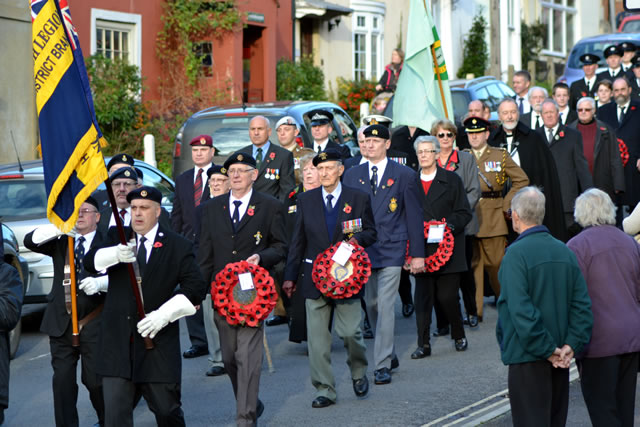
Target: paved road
[{"x": 422, "y": 391}]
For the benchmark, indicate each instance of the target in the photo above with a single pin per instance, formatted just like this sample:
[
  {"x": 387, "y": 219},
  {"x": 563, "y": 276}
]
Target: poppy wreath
[
  {"x": 331, "y": 287},
  {"x": 445, "y": 248},
  {"x": 624, "y": 152},
  {"x": 238, "y": 307}
]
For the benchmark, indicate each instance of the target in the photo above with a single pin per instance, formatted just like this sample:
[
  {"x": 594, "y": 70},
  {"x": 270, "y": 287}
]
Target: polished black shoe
[
  {"x": 421, "y": 352},
  {"x": 259, "y": 408},
  {"x": 367, "y": 334},
  {"x": 361, "y": 386},
  {"x": 382, "y": 376},
  {"x": 395, "y": 363},
  {"x": 321, "y": 402},
  {"x": 195, "y": 352},
  {"x": 407, "y": 310},
  {"x": 216, "y": 371},
  {"x": 461, "y": 344},
  {"x": 441, "y": 332},
  {"x": 276, "y": 320},
  {"x": 473, "y": 321}
]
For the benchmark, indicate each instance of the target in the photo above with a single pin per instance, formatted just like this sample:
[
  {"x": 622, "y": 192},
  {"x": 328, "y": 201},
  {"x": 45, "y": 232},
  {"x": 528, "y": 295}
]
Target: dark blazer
[
  {"x": 579, "y": 90},
  {"x": 171, "y": 270},
  {"x": 11, "y": 294},
  {"x": 311, "y": 237},
  {"x": 106, "y": 213},
  {"x": 281, "y": 160},
  {"x": 401, "y": 140},
  {"x": 629, "y": 132},
  {"x": 606, "y": 75},
  {"x": 344, "y": 150},
  {"x": 607, "y": 174},
  {"x": 352, "y": 162},
  {"x": 635, "y": 88},
  {"x": 56, "y": 320},
  {"x": 571, "y": 117},
  {"x": 573, "y": 169},
  {"x": 396, "y": 211},
  {"x": 219, "y": 245},
  {"x": 183, "y": 214},
  {"x": 447, "y": 199}
]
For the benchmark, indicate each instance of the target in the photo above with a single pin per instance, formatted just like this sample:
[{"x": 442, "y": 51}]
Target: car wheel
[{"x": 15, "y": 333}]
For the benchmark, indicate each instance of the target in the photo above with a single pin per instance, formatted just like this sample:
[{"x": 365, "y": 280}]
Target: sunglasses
[{"x": 448, "y": 135}]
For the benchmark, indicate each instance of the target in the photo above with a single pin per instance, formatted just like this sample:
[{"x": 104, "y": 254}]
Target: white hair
[
  {"x": 427, "y": 139},
  {"x": 529, "y": 204},
  {"x": 594, "y": 207}
]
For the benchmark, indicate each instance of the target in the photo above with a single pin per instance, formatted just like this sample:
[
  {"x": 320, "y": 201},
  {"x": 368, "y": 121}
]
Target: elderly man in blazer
[
  {"x": 326, "y": 216},
  {"x": 396, "y": 209}
]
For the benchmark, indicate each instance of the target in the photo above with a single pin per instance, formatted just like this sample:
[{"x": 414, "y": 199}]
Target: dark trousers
[
  {"x": 162, "y": 398},
  {"x": 405, "y": 288},
  {"x": 539, "y": 394},
  {"x": 297, "y": 316},
  {"x": 609, "y": 388},
  {"x": 441, "y": 287},
  {"x": 197, "y": 333},
  {"x": 64, "y": 360}
]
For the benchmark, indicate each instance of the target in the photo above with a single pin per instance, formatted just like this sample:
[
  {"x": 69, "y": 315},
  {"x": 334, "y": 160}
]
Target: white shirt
[
  {"x": 88, "y": 238},
  {"x": 512, "y": 150},
  {"x": 148, "y": 244},
  {"x": 321, "y": 144},
  {"x": 204, "y": 174},
  {"x": 564, "y": 114},
  {"x": 381, "y": 165},
  {"x": 526, "y": 107},
  {"x": 335, "y": 193},
  {"x": 428, "y": 177},
  {"x": 125, "y": 222},
  {"x": 363, "y": 160},
  {"x": 553, "y": 131},
  {"x": 533, "y": 120},
  {"x": 613, "y": 72},
  {"x": 243, "y": 207},
  {"x": 590, "y": 82}
]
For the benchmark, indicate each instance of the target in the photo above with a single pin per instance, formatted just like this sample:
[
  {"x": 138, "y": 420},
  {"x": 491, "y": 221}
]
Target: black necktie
[
  {"x": 319, "y": 149},
  {"x": 521, "y": 105},
  {"x": 588, "y": 86},
  {"x": 537, "y": 121},
  {"x": 621, "y": 115},
  {"x": 329, "y": 204},
  {"x": 79, "y": 255},
  {"x": 258, "y": 158},
  {"x": 236, "y": 214},
  {"x": 374, "y": 179},
  {"x": 142, "y": 255}
]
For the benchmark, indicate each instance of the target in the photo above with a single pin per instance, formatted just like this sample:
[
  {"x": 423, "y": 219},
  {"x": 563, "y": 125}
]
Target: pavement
[{"x": 448, "y": 388}]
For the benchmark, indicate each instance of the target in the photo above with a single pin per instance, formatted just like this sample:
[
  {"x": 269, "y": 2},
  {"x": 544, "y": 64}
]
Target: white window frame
[
  {"x": 548, "y": 50},
  {"x": 368, "y": 10},
  {"x": 121, "y": 20}
]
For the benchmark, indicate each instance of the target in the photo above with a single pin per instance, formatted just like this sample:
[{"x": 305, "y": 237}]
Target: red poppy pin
[
  {"x": 389, "y": 182},
  {"x": 272, "y": 155},
  {"x": 583, "y": 93},
  {"x": 293, "y": 193},
  {"x": 633, "y": 108},
  {"x": 347, "y": 208},
  {"x": 251, "y": 210},
  {"x": 157, "y": 245},
  {"x": 561, "y": 133},
  {"x": 601, "y": 128}
]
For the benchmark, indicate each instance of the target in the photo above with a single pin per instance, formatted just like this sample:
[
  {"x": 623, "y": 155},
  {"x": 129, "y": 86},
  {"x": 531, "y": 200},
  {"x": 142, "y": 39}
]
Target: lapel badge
[
  {"x": 393, "y": 204},
  {"x": 258, "y": 237}
]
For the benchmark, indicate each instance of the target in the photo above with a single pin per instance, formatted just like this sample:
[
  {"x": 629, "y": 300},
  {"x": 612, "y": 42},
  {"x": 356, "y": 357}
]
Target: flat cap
[
  {"x": 202, "y": 141},
  {"x": 146, "y": 193},
  {"x": 476, "y": 124},
  {"x": 240, "y": 157},
  {"x": 125, "y": 172},
  {"x": 328, "y": 155}
]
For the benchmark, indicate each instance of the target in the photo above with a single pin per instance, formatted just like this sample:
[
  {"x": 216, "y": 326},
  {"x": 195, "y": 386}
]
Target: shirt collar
[
  {"x": 625, "y": 106},
  {"x": 534, "y": 229},
  {"x": 322, "y": 144},
  {"x": 381, "y": 165},
  {"x": 264, "y": 147},
  {"x": 151, "y": 234},
  {"x": 553, "y": 129},
  {"x": 244, "y": 199},
  {"x": 335, "y": 193},
  {"x": 88, "y": 238}
]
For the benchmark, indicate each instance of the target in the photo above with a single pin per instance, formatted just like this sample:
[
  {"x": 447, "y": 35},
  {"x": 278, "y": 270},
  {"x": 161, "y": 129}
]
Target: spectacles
[
  {"x": 584, "y": 110},
  {"x": 448, "y": 135},
  {"x": 421, "y": 152},
  {"x": 86, "y": 211},
  {"x": 238, "y": 171},
  {"x": 126, "y": 184}
]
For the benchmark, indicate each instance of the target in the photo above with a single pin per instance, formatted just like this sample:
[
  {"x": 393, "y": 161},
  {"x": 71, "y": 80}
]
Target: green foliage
[
  {"x": 351, "y": 93},
  {"x": 531, "y": 39},
  {"x": 299, "y": 80},
  {"x": 476, "y": 57}
]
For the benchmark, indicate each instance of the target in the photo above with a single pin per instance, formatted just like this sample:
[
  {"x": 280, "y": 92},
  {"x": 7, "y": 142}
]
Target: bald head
[{"x": 259, "y": 130}]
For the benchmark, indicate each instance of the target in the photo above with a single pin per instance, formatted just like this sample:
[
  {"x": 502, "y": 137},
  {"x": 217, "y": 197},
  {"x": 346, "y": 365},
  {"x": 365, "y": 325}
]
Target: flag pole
[
  {"x": 436, "y": 68},
  {"x": 75, "y": 337}
]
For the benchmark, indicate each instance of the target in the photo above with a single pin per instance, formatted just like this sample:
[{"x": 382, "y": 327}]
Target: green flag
[{"x": 418, "y": 100}]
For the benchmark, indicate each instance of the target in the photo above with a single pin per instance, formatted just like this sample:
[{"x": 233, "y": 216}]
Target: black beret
[
  {"x": 125, "y": 172},
  {"x": 589, "y": 59},
  {"x": 612, "y": 50},
  {"x": 320, "y": 117},
  {"x": 120, "y": 158},
  {"x": 627, "y": 47},
  {"x": 202, "y": 141},
  {"x": 376, "y": 131},
  {"x": 635, "y": 61},
  {"x": 328, "y": 155},
  {"x": 146, "y": 193},
  {"x": 93, "y": 202},
  {"x": 139, "y": 172},
  {"x": 240, "y": 157},
  {"x": 476, "y": 124},
  {"x": 221, "y": 170}
]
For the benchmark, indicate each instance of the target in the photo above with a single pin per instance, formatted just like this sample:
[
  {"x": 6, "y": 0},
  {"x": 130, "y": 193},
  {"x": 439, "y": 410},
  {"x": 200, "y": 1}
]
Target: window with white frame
[
  {"x": 368, "y": 39},
  {"x": 558, "y": 17},
  {"x": 117, "y": 35}
]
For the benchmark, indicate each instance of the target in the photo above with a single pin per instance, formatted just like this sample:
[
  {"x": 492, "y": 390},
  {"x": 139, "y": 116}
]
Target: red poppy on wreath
[
  {"x": 251, "y": 210},
  {"x": 157, "y": 245},
  {"x": 561, "y": 133},
  {"x": 444, "y": 251},
  {"x": 339, "y": 282},
  {"x": 347, "y": 208},
  {"x": 272, "y": 155},
  {"x": 624, "y": 152},
  {"x": 390, "y": 182}
]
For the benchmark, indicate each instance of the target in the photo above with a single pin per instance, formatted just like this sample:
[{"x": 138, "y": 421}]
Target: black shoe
[
  {"x": 461, "y": 344},
  {"x": 361, "y": 386},
  {"x": 473, "y": 321},
  {"x": 421, "y": 352},
  {"x": 407, "y": 310},
  {"x": 465, "y": 321},
  {"x": 382, "y": 376},
  {"x": 195, "y": 352},
  {"x": 216, "y": 371},
  {"x": 276, "y": 320},
  {"x": 395, "y": 363},
  {"x": 441, "y": 332},
  {"x": 480, "y": 319},
  {"x": 259, "y": 408},
  {"x": 321, "y": 402},
  {"x": 367, "y": 334}
]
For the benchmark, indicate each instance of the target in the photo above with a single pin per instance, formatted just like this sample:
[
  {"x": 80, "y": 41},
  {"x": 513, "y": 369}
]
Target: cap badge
[
  {"x": 124, "y": 157},
  {"x": 373, "y": 122},
  {"x": 203, "y": 141},
  {"x": 374, "y": 132},
  {"x": 144, "y": 193},
  {"x": 127, "y": 173},
  {"x": 223, "y": 170},
  {"x": 474, "y": 121},
  {"x": 240, "y": 157},
  {"x": 323, "y": 156}
]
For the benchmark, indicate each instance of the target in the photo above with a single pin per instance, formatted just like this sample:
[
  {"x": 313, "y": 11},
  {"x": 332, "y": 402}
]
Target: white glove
[
  {"x": 172, "y": 310},
  {"x": 107, "y": 257},
  {"x": 93, "y": 285},
  {"x": 45, "y": 233}
]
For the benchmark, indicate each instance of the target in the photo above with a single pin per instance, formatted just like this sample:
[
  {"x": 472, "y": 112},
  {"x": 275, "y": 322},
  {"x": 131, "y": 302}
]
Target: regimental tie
[
  {"x": 79, "y": 256},
  {"x": 123, "y": 212},
  {"x": 142, "y": 255},
  {"x": 329, "y": 202},
  {"x": 235, "y": 219},
  {"x": 197, "y": 188},
  {"x": 259, "y": 158},
  {"x": 374, "y": 179}
]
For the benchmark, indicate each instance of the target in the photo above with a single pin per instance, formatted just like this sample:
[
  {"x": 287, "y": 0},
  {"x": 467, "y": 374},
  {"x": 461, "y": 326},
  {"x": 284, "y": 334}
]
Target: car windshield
[
  {"x": 22, "y": 199},
  {"x": 631, "y": 26},
  {"x": 595, "y": 47}
]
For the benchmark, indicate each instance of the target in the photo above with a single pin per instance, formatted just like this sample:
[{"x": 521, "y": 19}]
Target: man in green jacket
[{"x": 544, "y": 316}]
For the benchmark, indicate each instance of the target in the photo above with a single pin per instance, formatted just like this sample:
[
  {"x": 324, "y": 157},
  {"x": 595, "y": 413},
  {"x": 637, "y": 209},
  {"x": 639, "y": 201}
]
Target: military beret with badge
[
  {"x": 376, "y": 131},
  {"x": 145, "y": 193},
  {"x": 125, "y": 172},
  {"x": 202, "y": 141},
  {"x": 120, "y": 158},
  {"x": 328, "y": 155},
  {"x": 240, "y": 157}
]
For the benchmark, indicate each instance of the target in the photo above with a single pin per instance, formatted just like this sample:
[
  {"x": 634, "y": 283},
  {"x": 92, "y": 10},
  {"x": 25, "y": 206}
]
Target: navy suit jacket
[
  {"x": 276, "y": 158},
  {"x": 396, "y": 222},
  {"x": 183, "y": 214},
  {"x": 310, "y": 236}
]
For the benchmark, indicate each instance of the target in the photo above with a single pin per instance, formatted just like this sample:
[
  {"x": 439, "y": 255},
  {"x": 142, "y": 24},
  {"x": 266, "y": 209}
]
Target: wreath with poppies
[
  {"x": 624, "y": 152},
  {"x": 445, "y": 248},
  {"x": 243, "y": 307},
  {"x": 338, "y": 282}
]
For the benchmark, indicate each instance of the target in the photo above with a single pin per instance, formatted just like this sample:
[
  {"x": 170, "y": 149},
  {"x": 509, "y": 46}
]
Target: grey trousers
[
  {"x": 380, "y": 295},
  {"x": 347, "y": 315},
  {"x": 213, "y": 337},
  {"x": 242, "y": 358}
]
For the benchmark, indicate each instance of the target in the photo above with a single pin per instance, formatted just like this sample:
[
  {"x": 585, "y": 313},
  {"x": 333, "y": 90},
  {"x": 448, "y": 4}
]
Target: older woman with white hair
[
  {"x": 443, "y": 197},
  {"x": 610, "y": 262}
]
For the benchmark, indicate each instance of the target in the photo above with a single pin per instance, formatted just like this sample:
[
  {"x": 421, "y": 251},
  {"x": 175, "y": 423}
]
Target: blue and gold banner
[{"x": 70, "y": 138}]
